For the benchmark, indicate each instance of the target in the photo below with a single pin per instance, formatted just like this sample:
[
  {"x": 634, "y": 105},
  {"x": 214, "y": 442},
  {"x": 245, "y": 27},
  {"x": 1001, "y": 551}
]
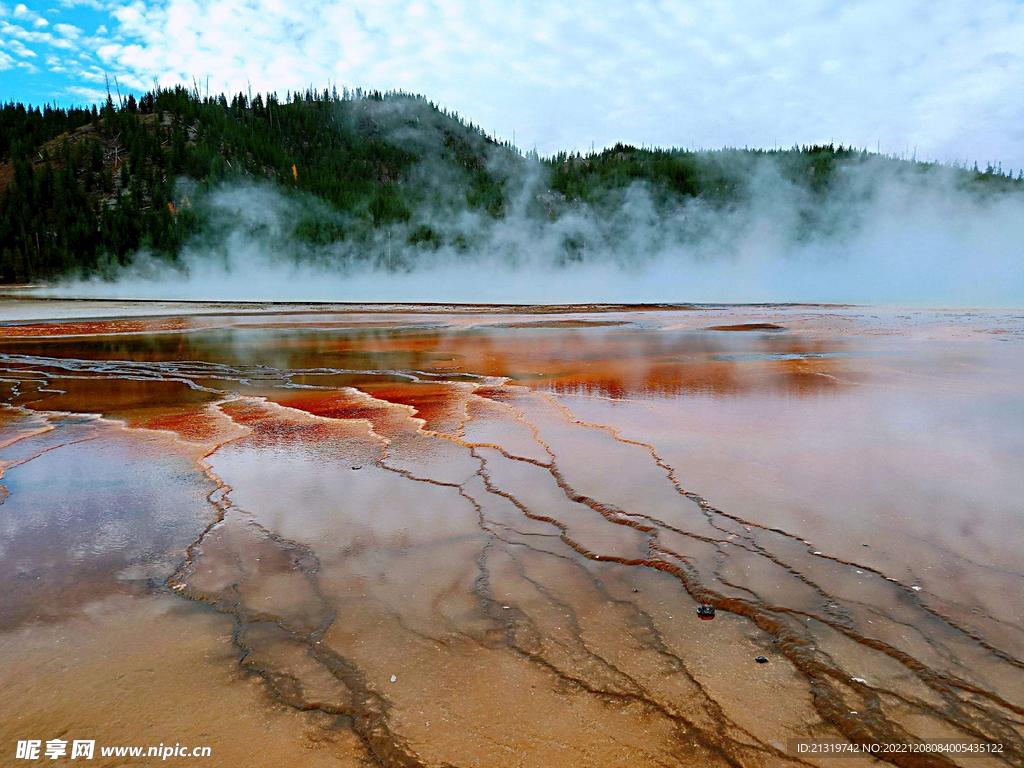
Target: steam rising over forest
[{"x": 368, "y": 196}]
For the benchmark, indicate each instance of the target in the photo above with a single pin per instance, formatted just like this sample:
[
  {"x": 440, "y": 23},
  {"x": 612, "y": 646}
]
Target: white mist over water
[{"x": 915, "y": 238}]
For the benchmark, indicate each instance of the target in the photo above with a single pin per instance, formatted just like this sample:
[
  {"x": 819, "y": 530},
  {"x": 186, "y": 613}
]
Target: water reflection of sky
[
  {"x": 94, "y": 510},
  {"x": 607, "y": 355}
]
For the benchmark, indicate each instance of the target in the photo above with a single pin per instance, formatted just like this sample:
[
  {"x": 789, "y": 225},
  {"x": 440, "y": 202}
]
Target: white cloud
[
  {"x": 89, "y": 95},
  {"x": 15, "y": 32},
  {"x": 19, "y": 48},
  {"x": 68, "y": 30},
  {"x": 96, "y": 5},
  {"x": 24, "y": 13},
  {"x": 92, "y": 74}
]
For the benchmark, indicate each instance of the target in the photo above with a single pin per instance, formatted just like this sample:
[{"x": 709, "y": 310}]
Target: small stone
[
  {"x": 635, "y": 589},
  {"x": 355, "y": 467},
  {"x": 761, "y": 659},
  {"x": 706, "y": 611},
  {"x": 394, "y": 679}
]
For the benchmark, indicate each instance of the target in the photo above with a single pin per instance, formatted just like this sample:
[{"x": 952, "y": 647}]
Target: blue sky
[
  {"x": 942, "y": 77},
  {"x": 42, "y": 54}
]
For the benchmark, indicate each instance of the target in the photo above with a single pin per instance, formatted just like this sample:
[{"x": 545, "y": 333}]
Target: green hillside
[{"x": 83, "y": 190}]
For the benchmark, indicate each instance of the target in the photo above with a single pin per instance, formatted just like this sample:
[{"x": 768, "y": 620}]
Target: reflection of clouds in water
[
  {"x": 110, "y": 536},
  {"x": 630, "y": 359},
  {"x": 82, "y": 515}
]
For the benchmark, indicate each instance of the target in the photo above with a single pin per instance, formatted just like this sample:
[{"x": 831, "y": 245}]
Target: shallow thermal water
[{"x": 452, "y": 537}]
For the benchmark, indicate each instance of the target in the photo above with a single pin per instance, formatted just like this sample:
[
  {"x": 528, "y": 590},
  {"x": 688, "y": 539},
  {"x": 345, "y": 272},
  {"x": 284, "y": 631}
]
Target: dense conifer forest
[{"x": 82, "y": 190}]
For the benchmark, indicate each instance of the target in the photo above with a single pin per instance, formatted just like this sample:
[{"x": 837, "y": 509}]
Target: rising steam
[{"x": 887, "y": 233}]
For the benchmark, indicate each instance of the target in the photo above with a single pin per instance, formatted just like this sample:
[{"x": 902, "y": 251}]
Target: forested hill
[{"x": 84, "y": 190}]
